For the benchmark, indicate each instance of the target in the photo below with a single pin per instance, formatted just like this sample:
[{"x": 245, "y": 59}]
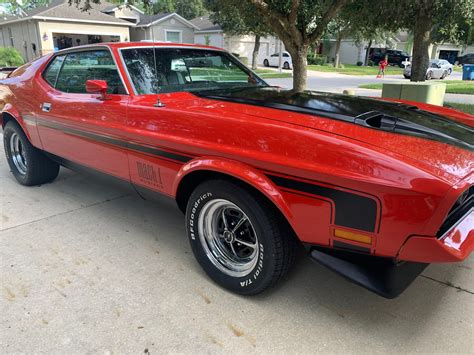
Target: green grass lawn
[
  {"x": 461, "y": 107},
  {"x": 356, "y": 70},
  {"x": 271, "y": 74},
  {"x": 452, "y": 86}
]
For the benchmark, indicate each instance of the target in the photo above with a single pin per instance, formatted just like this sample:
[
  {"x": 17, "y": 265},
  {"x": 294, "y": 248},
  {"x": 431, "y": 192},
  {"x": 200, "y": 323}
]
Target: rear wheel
[
  {"x": 265, "y": 63},
  {"x": 286, "y": 65},
  {"x": 28, "y": 165},
  {"x": 238, "y": 238},
  {"x": 445, "y": 74}
]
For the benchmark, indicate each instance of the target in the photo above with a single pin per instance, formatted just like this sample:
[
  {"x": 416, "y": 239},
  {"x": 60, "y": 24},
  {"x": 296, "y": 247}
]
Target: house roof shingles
[
  {"x": 147, "y": 19},
  {"x": 61, "y": 9},
  {"x": 204, "y": 23}
]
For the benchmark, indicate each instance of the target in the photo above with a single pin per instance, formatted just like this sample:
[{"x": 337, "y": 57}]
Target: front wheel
[
  {"x": 265, "y": 63},
  {"x": 238, "y": 238},
  {"x": 28, "y": 165},
  {"x": 429, "y": 76},
  {"x": 286, "y": 65}
]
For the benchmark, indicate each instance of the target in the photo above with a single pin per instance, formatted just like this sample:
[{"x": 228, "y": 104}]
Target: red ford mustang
[{"x": 375, "y": 190}]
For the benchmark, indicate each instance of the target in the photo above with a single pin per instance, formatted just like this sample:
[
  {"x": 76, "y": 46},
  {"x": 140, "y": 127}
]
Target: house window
[{"x": 173, "y": 36}]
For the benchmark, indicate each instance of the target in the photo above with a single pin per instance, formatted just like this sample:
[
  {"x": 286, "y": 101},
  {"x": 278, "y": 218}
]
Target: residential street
[
  {"x": 335, "y": 82},
  {"x": 90, "y": 268}
]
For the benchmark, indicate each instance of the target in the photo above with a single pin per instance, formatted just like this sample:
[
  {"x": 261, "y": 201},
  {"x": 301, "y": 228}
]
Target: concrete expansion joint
[
  {"x": 448, "y": 284},
  {"x": 67, "y": 212}
]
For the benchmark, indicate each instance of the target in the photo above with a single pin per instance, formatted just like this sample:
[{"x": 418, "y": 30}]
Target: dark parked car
[
  {"x": 466, "y": 59},
  {"x": 395, "y": 57}
]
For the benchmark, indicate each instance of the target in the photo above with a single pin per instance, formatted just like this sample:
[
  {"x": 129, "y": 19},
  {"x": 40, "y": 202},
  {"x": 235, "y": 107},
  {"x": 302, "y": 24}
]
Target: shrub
[
  {"x": 10, "y": 57},
  {"x": 317, "y": 59}
]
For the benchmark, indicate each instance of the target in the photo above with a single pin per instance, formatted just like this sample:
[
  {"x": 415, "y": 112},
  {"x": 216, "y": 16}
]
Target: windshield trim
[{"x": 129, "y": 78}]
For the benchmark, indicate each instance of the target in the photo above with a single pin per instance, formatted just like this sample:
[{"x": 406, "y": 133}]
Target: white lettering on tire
[
  {"x": 257, "y": 272},
  {"x": 193, "y": 213}
]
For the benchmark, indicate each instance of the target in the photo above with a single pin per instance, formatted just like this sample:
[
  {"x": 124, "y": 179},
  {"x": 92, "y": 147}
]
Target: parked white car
[
  {"x": 437, "y": 69},
  {"x": 274, "y": 59}
]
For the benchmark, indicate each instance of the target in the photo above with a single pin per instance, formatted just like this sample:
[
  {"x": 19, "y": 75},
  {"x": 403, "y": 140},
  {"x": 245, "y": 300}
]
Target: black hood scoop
[{"x": 372, "y": 113}]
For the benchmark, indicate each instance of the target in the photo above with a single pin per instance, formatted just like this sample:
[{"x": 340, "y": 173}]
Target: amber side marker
[{"x": 361, "y": 238}]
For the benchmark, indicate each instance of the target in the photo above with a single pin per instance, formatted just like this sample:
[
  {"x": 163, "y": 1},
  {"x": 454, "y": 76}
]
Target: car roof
[{"x": 124, "y": 45}]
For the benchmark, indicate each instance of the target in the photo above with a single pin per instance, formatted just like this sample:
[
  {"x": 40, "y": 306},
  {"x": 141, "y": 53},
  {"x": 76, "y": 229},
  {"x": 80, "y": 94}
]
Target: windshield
[{"x": 163, "y": 70}]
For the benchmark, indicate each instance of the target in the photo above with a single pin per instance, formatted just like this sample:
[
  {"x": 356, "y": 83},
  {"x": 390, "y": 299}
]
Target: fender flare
[{"x": 240, "y": 171}]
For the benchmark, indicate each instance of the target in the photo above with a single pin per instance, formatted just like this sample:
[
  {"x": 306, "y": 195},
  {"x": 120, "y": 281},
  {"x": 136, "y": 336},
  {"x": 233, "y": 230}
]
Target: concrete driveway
[{"x": 90, "y": 268}]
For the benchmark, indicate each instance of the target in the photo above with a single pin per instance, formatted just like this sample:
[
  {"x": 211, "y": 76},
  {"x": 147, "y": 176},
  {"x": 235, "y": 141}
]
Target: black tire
[
  {"x": 406, "y": 76},
  {"x": 266, "y": 63},
  {"x": 429, "y": 76},
  {"x": 37, "y": 168},
  {"x": 445, "y": 74},
  {"x": 275, "y": 244},
  {"x": 286, "y": 65}
]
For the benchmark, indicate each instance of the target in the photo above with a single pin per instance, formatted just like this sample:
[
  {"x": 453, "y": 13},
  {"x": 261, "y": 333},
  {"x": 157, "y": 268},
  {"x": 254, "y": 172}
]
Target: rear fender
[
  {"x": 8, "y": 109},
  {"x": 240, "y": 171}
]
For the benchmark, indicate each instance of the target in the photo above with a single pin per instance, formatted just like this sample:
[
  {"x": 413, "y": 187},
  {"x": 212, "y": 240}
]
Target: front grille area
[{"x": 462, "y": 206}]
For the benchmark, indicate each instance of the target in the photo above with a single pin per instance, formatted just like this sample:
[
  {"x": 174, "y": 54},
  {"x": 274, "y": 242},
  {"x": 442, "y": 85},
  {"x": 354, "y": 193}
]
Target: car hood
[{"x": 432, "y": 139}]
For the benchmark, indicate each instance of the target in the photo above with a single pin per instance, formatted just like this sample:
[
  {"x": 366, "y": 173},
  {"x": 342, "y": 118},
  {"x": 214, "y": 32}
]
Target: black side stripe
[
  {"x": 116, "y": 142},
  {"x": 351, "y": 210}
]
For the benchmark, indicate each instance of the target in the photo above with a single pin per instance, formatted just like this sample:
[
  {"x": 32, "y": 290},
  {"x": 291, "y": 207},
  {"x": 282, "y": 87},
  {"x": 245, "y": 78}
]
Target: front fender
[{"x": 240, "y": 171}]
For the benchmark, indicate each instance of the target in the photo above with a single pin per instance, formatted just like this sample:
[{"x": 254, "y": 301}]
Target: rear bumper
[{"x": 455, "y": 245}]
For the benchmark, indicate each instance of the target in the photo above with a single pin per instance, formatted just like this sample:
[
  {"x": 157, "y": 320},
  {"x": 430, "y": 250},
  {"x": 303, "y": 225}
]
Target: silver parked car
[{"x": 437, "y": 69}]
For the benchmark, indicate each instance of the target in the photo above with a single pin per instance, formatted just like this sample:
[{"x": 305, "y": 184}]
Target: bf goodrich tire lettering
[{"x": 240, "y": 242}]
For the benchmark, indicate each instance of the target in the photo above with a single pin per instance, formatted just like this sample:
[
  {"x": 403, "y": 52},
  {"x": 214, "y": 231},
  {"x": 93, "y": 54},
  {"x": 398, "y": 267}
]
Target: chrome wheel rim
[
  {"x": 228, "y": 238},
  {"x": 18, "y": 154}
]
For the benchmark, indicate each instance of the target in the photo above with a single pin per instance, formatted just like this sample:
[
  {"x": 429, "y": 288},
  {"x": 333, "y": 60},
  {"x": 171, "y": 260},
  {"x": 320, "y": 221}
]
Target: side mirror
[{"x": 97, "y": 87}]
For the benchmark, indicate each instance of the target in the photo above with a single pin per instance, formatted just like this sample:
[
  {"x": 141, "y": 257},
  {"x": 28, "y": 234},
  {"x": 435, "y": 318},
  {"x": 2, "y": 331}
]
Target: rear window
[{"x": 89, "y": 65}]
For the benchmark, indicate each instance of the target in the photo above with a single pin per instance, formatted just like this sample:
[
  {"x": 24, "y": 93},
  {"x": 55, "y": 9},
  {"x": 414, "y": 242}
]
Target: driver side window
[{"x": 89, "y": 65}]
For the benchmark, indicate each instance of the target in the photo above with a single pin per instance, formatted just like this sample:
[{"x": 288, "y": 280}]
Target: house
[
  {"x": 352, "y": 51},
  {"x": 57, "y": 26},
  {"x": 211, "y": 34},
  {"x": 163, "y": 27},
  {"x": 47, "y": 28}
]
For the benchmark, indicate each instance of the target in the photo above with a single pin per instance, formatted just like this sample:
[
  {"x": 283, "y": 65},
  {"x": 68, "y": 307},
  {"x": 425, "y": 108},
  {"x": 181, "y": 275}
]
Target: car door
[
  {"x": 436, "y": 70},
  {"x": 81, "y": 127},
  {"x": 274, "y": 59}
]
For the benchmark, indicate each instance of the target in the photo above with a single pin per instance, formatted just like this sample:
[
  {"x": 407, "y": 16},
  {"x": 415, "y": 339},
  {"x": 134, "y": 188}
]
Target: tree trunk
[
  {"x": 421, "y": 43},
  {"x": 256, "y": 48},
  {"x": 299, "y": 58},
  {"x": 367, "y": 52},
  {"x": 337, "y": 59}
]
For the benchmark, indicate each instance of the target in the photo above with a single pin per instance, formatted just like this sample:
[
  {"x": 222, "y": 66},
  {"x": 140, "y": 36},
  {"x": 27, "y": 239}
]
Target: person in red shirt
[{"x": 382, "y": 65}]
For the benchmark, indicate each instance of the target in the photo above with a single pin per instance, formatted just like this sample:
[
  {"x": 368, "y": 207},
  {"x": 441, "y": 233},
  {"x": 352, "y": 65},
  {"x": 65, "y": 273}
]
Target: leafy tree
[
  {"x": 359, "y": 21},
  {"x": 10, "y": 57},
  {"x": 190, "y": 9},
  {"x": 160, "y": 6},
  {"x": 298, "y": 23},
  {"x": 429, "y": 21},
  {"x": 239, "y": 20}
]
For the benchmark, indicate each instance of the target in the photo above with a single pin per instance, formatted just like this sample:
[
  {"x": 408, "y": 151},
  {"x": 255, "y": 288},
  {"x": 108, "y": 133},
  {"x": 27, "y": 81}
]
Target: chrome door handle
[{"x": 46, "y": 107}]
